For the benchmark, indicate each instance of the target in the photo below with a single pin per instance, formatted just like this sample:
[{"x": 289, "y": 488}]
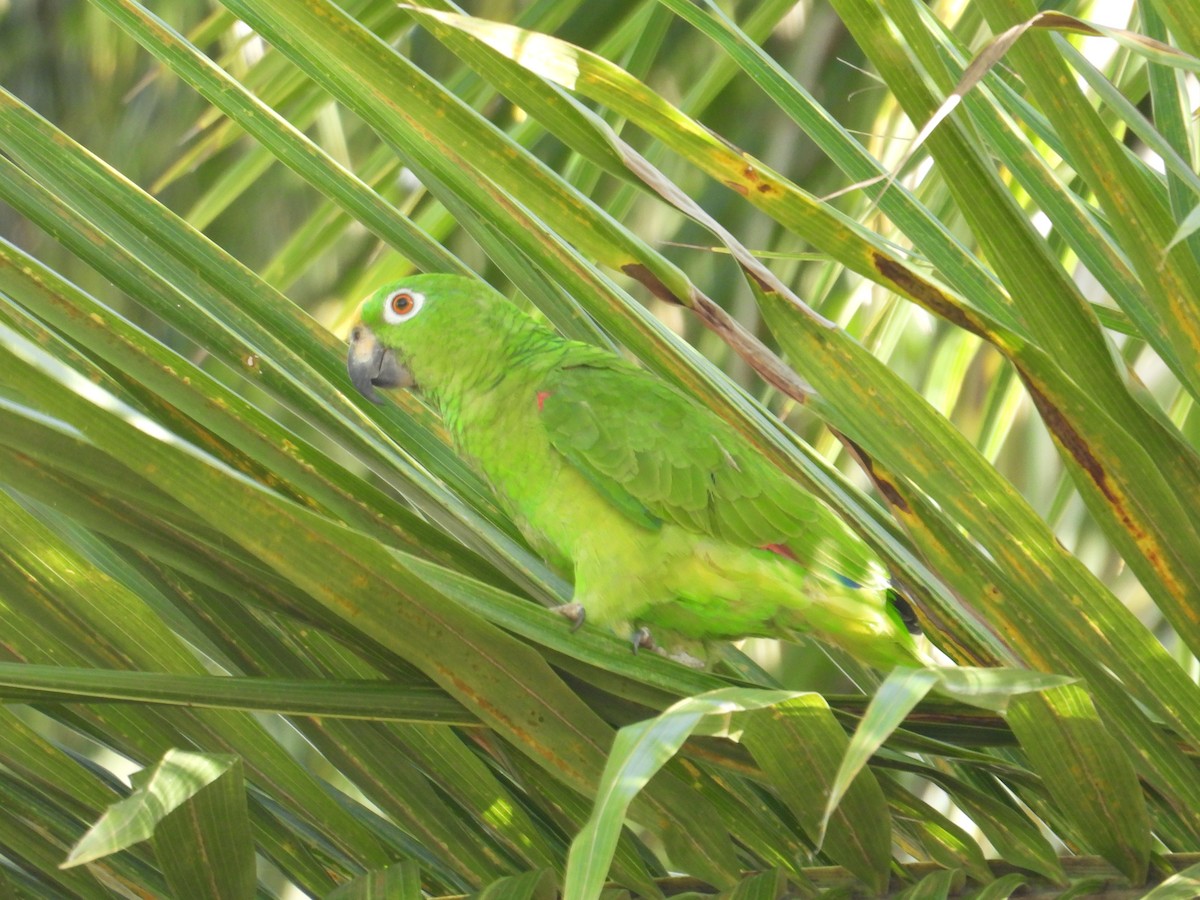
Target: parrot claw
[
  {"x": 642, "y": 640},
  {"x": 574, "y": 612}
]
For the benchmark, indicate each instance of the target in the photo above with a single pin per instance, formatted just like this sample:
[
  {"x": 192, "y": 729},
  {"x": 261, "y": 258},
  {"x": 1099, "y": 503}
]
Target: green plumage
[{"x": 667, "y": 517}]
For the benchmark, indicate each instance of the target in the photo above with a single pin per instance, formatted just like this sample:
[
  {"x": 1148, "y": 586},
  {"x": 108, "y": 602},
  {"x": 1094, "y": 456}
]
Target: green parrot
[{"x": 667, "y": 517}]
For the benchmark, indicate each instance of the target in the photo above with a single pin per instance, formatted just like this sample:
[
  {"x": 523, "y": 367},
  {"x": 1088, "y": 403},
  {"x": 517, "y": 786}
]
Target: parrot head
[{"x": 410, "y": 331}]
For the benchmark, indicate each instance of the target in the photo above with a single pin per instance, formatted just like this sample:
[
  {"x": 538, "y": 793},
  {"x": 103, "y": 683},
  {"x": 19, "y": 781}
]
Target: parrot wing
[{"x": 658, "y": 455}]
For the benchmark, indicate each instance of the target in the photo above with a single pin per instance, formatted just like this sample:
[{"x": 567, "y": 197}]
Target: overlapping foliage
[{"x": 307, "y": 623}]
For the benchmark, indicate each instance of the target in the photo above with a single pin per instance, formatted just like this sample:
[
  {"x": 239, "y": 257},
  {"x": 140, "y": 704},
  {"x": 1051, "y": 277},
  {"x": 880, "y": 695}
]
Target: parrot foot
[
  {"x": 574, "y": 612},
  {"x": 642, "y": 640}
]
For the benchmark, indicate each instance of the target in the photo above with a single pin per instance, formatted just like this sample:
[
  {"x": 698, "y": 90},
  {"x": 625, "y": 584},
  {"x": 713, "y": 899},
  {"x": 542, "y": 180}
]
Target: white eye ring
[{"x": 402, "y": 305}]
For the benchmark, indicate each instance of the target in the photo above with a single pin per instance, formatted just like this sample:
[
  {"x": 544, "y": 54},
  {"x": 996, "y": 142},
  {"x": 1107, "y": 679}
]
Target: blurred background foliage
[{"x": 387, "y": 782}]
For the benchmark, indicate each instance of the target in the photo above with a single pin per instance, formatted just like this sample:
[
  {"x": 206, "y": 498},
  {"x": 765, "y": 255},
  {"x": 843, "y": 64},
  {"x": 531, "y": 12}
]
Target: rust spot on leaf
[
  {"x": 765, "y": 188},
  {"x": 514, "y": 732},
  {"x": 739, "y": 187},
  {"x": 763, "y": 286},
  {"x": 750, "y": 172},
  {"x": 468, "y": 690},
  {"x": 885, "y": 485},
  {"x": 924, "y": 292},
  {"x": 641, "y": 274},
  {"x": 889, "y": 490},
  {"x": 1071, "y": 440}
]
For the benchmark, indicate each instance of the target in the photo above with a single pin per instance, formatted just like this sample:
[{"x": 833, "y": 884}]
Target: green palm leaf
[{"x": 309, "y": 626}]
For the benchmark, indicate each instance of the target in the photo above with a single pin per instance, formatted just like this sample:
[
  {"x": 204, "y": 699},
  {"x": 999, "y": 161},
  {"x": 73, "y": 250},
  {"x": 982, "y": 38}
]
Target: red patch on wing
[
  {"x": 541, "y": 398},
  {"x": 781, "y": 550}
]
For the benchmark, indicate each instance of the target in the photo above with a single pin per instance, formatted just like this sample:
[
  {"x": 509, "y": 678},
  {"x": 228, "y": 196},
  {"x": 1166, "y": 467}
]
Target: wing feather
[{"x": 667, "y": 458}]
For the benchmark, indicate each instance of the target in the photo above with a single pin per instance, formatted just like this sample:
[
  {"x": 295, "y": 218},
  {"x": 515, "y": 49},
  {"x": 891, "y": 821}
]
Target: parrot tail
[{"x": 897, "y": 600}]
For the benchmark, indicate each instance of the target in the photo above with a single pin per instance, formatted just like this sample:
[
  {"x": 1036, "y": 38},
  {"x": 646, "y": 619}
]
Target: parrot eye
[{"x": 402, "y": 306}]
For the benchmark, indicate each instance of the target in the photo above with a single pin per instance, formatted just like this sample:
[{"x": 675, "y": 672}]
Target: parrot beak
[{"x": 373, "y": 365}]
